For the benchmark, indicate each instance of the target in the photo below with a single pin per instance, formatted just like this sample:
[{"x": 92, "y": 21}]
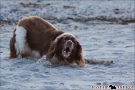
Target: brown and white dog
[{"x": 34, "y": 37}]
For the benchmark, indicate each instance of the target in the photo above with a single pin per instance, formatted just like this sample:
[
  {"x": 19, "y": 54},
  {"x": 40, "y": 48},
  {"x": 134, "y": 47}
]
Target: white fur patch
[
  {"x": 54, "y": 60},
  {"x": 73, "y": 64},
  {"x": 21, "y": 45},
  {"x": 36, "y": 54},
  {"x": 43, "y": 60},
  {"x": 56, "y": 39}
]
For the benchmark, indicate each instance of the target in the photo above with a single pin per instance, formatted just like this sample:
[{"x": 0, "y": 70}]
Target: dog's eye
[{"x": 64, "y": 40}]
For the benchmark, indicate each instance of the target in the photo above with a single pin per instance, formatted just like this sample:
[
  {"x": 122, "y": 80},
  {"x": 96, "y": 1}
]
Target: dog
[{"x": 34, "y": 37}]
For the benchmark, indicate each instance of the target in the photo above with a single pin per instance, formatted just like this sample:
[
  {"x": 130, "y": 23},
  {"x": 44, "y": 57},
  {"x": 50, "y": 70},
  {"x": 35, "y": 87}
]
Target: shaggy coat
[{"x": 34, "y": 37}]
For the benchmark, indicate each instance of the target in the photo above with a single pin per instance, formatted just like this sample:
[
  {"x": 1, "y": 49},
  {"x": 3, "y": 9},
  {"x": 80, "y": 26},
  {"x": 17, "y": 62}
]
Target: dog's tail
[
  {"x": 94, "y": 61},
  {"x": 12, "y": 46}
]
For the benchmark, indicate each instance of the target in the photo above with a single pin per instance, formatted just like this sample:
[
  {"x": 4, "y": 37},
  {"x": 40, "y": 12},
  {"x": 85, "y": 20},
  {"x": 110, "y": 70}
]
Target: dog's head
[{"x": 66, "y": 47}]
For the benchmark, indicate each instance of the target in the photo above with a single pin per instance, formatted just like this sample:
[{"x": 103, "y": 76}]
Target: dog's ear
[
  {"x": 78, "y": 55},
  {"x": 52, "y": 49}
]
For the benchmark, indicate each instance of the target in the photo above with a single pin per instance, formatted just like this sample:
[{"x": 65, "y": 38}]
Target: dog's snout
[{"x": 69, "y": 42}]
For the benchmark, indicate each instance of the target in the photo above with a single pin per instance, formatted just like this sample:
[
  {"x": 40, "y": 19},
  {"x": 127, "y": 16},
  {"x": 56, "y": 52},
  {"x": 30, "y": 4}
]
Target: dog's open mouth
[{"x": 66, "y": 52}]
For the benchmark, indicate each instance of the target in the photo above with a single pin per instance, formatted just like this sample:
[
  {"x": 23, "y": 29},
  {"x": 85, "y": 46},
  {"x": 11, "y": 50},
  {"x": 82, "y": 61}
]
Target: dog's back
[{"x": 32, "y": 38}]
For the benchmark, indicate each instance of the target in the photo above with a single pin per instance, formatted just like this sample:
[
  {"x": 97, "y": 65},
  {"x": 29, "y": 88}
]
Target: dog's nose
[{"x": 69, "y": 42}]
